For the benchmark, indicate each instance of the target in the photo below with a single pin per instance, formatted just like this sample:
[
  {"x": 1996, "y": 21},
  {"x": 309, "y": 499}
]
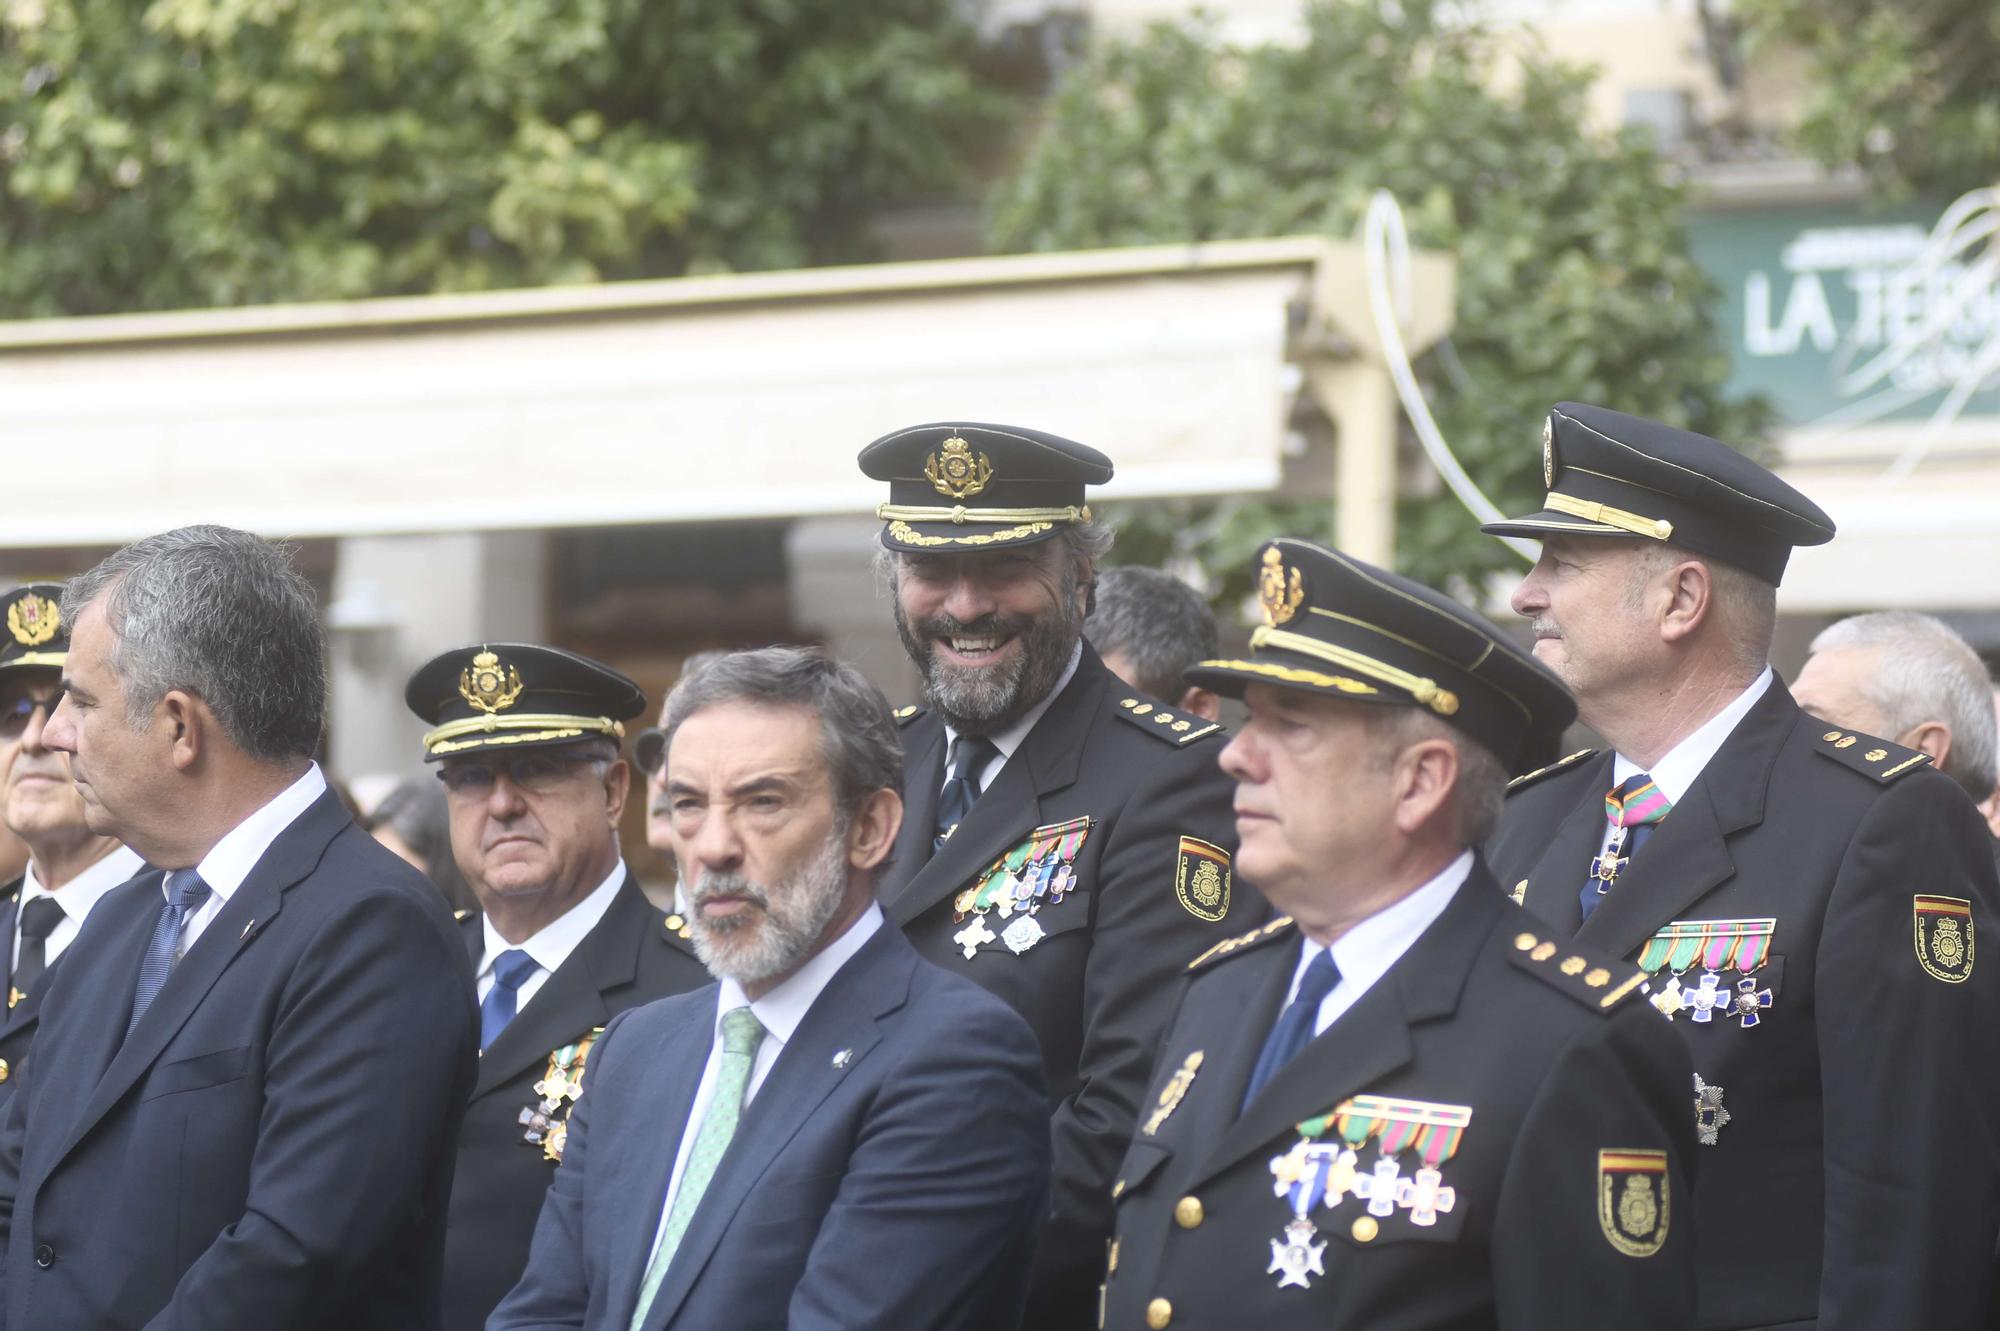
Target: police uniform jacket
[
  {"x": 1567, "y": 1186},
  {"x": 629, "y": 957},
  {"x": 20, "y": 1017},
  {"x": 1853, "y": 1086},
  {"x": 1097, "y": 986}
]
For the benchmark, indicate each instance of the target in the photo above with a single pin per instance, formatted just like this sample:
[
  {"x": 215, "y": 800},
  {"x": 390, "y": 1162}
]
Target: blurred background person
[
  {"x": 70, "y": 868},
  {"x": 1148, "y": 627},
  {"x": 412, "y": 820}
]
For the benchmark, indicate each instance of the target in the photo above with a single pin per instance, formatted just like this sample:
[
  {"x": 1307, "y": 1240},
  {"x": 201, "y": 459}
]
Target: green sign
[{"x": 1842, "y": 315}]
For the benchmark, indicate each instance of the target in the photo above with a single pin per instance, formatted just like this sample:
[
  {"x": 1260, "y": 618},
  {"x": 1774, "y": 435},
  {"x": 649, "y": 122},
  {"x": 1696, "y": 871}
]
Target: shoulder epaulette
[
  {"x": 1874, "y": 758},
  {"x": 1229, "y": 947},
  {"x": 1603, "y": 987},
  {"x": 676, "y": 924},
  {"x": 1559, "y": 765},
  {"x": 1165, "y": 723},
  {"x": 905, "y": 715}
]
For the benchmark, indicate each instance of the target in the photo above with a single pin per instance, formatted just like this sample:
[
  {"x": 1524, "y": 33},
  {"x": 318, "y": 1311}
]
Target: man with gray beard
[
  {"x": 1068, "y": 841},
  {"x": 837, "y": 1133}
]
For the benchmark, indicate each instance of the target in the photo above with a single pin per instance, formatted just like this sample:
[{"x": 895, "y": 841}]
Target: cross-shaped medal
[
  {"x": 1668, "y": 999},
  {"x": 1750, "y": 1000},
  {"x": 972, "y": 935},
  {"x": 1426, "y": 1197},
  {"x": 1379, "y": 1187},
  {"x": 1706, "y": 1000}
]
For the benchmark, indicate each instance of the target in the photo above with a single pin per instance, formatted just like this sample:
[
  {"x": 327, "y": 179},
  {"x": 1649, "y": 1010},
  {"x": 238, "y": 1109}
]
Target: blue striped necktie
[{"x": 185, "y": 895}]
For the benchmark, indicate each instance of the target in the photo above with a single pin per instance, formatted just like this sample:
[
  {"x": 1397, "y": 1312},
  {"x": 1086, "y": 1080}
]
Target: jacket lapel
[
  {"x": 847, "y": 1014},
  {"x": 571, "y": 1000},
  {"x": 923, "y": 775},
  {"x": 1558, "y": 876},
  {"x": 1046, "y": 762},
  {"x": 293, "y": 855},
  {"x": 1688, "y": 856},
  {"x": 10, "y": 909},
  {"x": 1371, "y": 1039}
]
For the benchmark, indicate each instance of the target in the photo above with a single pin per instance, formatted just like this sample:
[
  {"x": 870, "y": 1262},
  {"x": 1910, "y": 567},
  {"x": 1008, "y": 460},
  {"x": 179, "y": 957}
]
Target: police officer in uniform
[
  {"x": 69, "y": 867},
  {"x": 1066, "y": 841},
  {"x": 526, "y": 739},
  {"x": 1401, "y": 1106},
  {"x": 1806, "y": 897}
]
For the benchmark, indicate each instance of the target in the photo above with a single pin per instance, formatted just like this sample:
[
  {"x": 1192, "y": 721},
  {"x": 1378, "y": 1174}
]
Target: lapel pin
[
  {"x": 843, "y": 1058},
  {"x": 246, "y": 931}
]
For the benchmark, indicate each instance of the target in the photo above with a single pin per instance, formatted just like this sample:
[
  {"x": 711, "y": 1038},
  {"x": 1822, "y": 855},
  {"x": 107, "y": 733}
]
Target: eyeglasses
[
  {"x": 15, "y": 715},
  {"x": 537, "y": 773},
  {"x": 649, "y": 750}
]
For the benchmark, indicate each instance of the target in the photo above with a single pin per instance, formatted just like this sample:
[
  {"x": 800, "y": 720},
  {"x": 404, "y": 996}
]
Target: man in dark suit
[
  {"x": 1807, "y": 897},
  {"x": 527, "y": 742},
  {"x": 1402, "y": 1108},
  {"x": 266, "y": 1048},
  {"x": 1068, "y": 841},
  {"x": 838, "y": 1134},
  {"x": 69, "y": 868}
]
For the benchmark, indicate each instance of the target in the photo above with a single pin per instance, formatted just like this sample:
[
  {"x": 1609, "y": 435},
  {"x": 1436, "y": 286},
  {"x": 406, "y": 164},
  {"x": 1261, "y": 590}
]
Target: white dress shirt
[
  {"x": 779, "y": 1012},
  {"x": 1010, "y": 739},
  {"x": 1675, "y": 774},
  {"x": 76, "y": 897},
  {"x": 1365, "y": 952},
  {"x": 231, "y": 859},
  {"x": 549, "y": 947}
]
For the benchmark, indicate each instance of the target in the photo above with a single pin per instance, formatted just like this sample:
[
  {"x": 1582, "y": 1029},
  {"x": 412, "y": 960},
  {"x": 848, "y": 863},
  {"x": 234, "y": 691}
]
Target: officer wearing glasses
[
  {"x": 527, "y": 740},
  {"x": 69, "y": 867}
]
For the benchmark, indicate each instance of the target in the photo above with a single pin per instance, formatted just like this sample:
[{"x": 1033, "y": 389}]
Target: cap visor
[{"x": 1537, "y": 525}]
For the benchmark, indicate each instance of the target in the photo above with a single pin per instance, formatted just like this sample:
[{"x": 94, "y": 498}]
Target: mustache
[
  {"x": 993, "y": 625},
  {"x": 1543, "y": 626},
  {"x": 713, "y": 885}
]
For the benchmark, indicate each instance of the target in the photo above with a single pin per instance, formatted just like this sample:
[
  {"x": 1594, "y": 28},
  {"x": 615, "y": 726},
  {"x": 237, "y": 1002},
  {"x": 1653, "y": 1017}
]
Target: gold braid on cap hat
[{"x": 1427, "y": 692}]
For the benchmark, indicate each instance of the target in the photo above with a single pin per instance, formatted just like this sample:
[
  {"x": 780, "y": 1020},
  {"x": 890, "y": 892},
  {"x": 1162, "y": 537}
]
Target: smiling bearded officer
[
  {"x": 1401, "y": 1108},
  {"x": 527, "y": 742},
  {"x": 1067, "y": 842}
]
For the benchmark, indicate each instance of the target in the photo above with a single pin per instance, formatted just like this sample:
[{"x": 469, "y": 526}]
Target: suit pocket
[{"x": 199, "y": 1072}]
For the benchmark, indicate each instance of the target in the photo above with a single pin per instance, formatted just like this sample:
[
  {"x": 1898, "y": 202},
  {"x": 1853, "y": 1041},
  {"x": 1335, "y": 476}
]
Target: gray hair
[
  {"x": 1157, "y": 622},
  {"x": 858, "y": 735},
  {"x": 221, "y": 614},
  {"x": 1926, "y": 672},
  {"x": 1482, "y": 777},
  {"x": 1746, "y": 605},
  {"x": 1087, "y": 542}
]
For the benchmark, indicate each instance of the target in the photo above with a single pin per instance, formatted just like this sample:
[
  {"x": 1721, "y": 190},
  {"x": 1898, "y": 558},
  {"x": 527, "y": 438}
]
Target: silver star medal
[
  {"x": 1709, "y": 1115},
  {"x": 972, "y": 935},
  {"x": 1022, "y": 934},
  {"x": 1296, "y": 1256}
]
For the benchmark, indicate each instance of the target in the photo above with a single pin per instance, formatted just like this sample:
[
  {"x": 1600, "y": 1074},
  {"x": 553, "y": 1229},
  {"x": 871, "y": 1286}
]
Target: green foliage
[
  {"x": 1909, "y": 90},
  {"x": 165, "y": 153},
  {"x": 1574, "y": 276}
]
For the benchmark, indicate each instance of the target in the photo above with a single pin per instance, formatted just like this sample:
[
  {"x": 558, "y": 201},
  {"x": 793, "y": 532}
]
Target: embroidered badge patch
[
  {"x": 1943, "y": 937},
  {"x": 1632, "y": 1202},
  {"x": 1201, "y": 879}
]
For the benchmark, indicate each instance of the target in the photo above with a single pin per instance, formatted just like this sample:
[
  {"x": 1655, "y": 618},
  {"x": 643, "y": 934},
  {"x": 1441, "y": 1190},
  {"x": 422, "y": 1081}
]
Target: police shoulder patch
[
  {"x": 905, "y": 715},
  {"x": 1875, "y": 758},
  {"x": 1527, "y": 779},
  {"x": 1202, "y": 879},
  {"x": 1164, "y": 723},
  {"x": 1603, "y": 985},
  {"x": 1230, "y": 947}
]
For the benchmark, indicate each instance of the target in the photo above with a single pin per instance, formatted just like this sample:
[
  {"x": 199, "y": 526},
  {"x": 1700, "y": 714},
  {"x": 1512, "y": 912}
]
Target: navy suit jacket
[
  {"x": 890, "y": 1172},
  {"x": 272, "y": 1146}
]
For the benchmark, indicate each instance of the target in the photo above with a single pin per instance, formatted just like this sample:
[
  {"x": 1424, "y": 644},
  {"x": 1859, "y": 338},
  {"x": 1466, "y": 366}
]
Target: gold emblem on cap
[
  {"x": 1549, "y": 453},
  {"x": 1279, "y": 588},
  {"x": 957, "y": 471},
  {"x": 489, "y": 684},
  {"x": 33, "y": 620}
]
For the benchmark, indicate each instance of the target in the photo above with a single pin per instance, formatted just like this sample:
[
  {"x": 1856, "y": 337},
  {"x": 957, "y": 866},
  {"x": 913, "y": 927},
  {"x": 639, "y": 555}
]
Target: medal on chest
[
  {"x": 546, "y": 1124},
  {"x": 1018, "y": 886},
  {"x": 1323, "y": 1170}
]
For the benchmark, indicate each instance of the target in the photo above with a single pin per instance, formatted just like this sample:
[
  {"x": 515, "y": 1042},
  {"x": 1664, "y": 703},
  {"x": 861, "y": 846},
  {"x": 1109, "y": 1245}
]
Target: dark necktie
[
  {"x": 1294, "y": 1030},
  {"x": 969, "y": 756},
  {"x": 185, "y": 895},
  {"x": 511, "y": 970},
  {"x": 39, "y": 919},
  {"x": 1633, "y": 808}
]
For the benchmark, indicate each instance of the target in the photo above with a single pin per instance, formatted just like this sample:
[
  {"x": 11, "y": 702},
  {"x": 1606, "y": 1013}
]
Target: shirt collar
[
  {"x": 1365, "y": 952},
  {"x": 231, "y": 859},
  {"x": 781, "y": 1010},
  {"x": 79, "y": 894},
  {"x": 1010, "y": 739},
  {"x": 1675, "y": 773},
  {"x": 549, "y": 946}
]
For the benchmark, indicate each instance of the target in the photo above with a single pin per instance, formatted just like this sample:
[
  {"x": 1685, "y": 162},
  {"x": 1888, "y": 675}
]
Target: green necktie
[{"x": 741, "y": 1034}]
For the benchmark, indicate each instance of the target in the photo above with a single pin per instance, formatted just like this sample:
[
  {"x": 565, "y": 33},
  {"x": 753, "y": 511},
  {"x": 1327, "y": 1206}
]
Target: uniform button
[
  {"x": 4, "y": 1074},
  {"x": 1158, "y": 1313},
  {"x": 1188, "y": 1212},
  {"x": 45, "y": 1256}
]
